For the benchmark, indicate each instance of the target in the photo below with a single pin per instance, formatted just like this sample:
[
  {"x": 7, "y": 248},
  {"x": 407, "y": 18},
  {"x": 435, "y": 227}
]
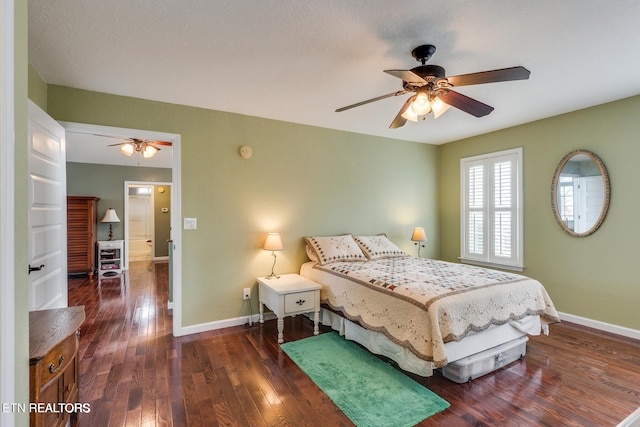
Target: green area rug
[{"x": 369, "y": 391}]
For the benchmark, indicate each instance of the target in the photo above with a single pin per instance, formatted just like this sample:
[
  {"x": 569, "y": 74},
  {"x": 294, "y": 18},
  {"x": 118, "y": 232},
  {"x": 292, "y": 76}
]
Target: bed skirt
[{"x": 378, "y": 343}]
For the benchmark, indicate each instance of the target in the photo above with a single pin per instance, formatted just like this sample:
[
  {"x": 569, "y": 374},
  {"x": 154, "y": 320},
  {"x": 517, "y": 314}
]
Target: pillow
[
  {"x": 376, "y": 247},
  {"x": 335, "y": 249},
  {"x": 311, "y": 253}
]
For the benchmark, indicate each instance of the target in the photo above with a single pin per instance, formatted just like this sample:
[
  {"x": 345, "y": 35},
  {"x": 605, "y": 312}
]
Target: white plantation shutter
[
  {"x": 475, "y": 202},
  {"x": 503, "y": 208},
  {"x": 491, "y": 214}
]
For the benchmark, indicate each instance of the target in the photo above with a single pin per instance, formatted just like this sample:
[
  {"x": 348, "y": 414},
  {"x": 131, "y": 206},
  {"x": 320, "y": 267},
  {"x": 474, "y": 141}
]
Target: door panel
[{"x": 47, "y": 243}]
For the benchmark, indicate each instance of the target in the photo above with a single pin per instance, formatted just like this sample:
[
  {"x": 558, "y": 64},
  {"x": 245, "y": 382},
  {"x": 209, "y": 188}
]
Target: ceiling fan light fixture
[
  {"x": 421, "y": 105},
  {"x": 408, "y": 113},
  {"x": 127, "y": 149},
  {"x": 433, "y": 91},
  {"x": 438, "y": 106},
  {"x": 149, "y": 151}
]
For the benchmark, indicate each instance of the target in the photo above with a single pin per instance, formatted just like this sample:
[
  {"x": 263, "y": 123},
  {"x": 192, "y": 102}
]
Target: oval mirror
[{"x": 580, "y": 193}]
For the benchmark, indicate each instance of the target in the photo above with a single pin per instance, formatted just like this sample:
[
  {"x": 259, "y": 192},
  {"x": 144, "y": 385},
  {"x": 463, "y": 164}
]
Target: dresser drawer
[
  {"x": 69, "y": 385},
  {"x": 299, "y": 302},
  {"x": 56, "y": 361}
]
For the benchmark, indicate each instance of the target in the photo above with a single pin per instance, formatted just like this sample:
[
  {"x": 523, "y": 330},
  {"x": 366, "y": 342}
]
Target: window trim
[{"x": 516, "y": 262}]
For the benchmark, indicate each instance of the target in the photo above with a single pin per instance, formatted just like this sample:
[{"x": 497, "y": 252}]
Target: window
[{"x": 491, "y": 209}]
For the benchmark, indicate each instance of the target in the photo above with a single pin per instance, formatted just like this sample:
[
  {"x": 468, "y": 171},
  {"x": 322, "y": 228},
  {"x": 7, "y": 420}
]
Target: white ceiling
[{"x": 299, "y": 60}]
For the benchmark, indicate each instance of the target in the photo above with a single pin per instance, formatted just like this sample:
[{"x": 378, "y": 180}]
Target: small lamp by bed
[
  {"x": 418, "y": 237},
  {"x": 273, "y": 243}
]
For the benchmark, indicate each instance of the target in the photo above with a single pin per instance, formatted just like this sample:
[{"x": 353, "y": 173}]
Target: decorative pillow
[
  {"x": 311, "y": 253},
  {"x": 335, "y": 249},
  {"x": 376, "y": 247}
]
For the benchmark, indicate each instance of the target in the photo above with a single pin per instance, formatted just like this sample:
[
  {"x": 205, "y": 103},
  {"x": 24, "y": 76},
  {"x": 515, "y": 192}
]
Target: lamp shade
[
  {"x": 127, "y": 149},
  {"x": 273, "y": 242},
  {"x": 438, "y": 106},
  {"x": 419, "y": 235},
  {"x": 421, "y": 104},
  {"x": 110, "y": 216},
  {"x": 149, "y": 151},
  {"x": 408, "y": 113}
]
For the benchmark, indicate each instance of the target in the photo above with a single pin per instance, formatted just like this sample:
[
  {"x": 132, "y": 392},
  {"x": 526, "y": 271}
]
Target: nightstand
[
  {"x": 289, "y": 295},
  {"x": 110, "y": 253}
]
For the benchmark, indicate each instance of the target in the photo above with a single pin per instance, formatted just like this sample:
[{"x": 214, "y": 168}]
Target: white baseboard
[
  {"x": 221, "y": 324},
  {"x": 632, "y": 420},
  {"x": 237, "y": 321},
  {"x": 596, "y": 324}
]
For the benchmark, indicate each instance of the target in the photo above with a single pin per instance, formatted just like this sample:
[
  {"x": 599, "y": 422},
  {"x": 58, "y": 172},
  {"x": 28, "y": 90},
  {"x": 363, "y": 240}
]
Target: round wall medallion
[{"x": 246, "y": 151}]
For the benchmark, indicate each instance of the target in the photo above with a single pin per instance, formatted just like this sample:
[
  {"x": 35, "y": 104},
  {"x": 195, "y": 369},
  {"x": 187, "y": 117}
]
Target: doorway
[
  {"x": 147, "y": 225},
  {"x": 175, "y": 199}
]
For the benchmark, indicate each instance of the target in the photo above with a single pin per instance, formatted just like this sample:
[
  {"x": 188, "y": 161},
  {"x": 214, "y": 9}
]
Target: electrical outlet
[{"x": 246, "y": 293}]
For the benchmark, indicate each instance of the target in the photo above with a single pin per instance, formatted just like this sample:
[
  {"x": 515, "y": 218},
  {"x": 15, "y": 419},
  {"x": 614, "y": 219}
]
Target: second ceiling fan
[
  {"x": 433, "y": 90},
  {"x": 145, "y": 147}
]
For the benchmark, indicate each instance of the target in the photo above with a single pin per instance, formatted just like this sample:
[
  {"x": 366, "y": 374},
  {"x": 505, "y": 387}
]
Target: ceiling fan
[
  {"x": 147, "y": 148},
  {"x": 433, "y": 90}
]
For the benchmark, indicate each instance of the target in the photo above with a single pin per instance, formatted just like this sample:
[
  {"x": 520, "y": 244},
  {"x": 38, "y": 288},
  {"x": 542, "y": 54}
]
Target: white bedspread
[{"x": 421, "y": 304}]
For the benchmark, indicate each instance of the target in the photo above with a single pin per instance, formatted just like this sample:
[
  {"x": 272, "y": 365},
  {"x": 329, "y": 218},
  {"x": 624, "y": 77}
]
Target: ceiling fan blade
[
  {"x": 399, "y": 121},
  {"x": 134, "y": 140},
  {"x": 406, "y": 76},
  {"x": 464, "y": 103},
  {"x": 401, "y": 92},
  {"x": 501, "y": 75},
  {"x": 114, "y": 137},
  {"x": 114, "y": 145}
]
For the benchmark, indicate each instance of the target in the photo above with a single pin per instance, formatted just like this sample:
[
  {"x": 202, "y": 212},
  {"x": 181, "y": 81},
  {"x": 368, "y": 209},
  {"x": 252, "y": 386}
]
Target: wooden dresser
[
  {"x": 53, "y": 365},
  {"x": 82, "y": 223}
]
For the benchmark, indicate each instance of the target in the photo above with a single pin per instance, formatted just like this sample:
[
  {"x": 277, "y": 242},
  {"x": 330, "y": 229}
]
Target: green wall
[
  {"x": 37, "y": 89},
  {"x": 107, "y": 182},
  {"x": 595, "y": 277},
  {"x": 18, "y": 243},
  {"x": 301, "y": 181},
  {"x": 161, "y": 220}
]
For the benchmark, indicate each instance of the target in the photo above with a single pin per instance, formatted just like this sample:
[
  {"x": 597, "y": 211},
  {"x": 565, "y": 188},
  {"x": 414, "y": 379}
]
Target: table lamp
[
  {"x": 110, "y": 216},
  {"x": 273, "y": 243}
]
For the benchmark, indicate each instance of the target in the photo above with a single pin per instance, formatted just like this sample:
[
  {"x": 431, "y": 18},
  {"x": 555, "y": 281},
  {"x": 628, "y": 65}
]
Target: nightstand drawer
[
  {"x": 106, "y": 244},
  {"x": 299, "y": 302}
]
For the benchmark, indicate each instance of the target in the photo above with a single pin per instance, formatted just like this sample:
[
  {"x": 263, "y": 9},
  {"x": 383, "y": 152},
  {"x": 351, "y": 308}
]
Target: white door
[
  {"x": 589, "y": 192},
  {"x": 140, "y": 221},
  {"x": 47, "y": 196}
]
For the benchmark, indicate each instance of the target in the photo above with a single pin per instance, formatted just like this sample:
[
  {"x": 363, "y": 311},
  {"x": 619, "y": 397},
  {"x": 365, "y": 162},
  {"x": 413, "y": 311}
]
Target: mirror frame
[{"x": 554, "y": 192}]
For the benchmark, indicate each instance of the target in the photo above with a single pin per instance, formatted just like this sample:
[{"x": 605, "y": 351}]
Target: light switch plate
[{"x": 190, "y": 223}]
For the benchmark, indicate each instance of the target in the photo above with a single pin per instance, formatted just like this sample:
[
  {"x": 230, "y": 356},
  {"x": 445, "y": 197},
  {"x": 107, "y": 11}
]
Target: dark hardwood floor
[{"x": 134, "y": 372}]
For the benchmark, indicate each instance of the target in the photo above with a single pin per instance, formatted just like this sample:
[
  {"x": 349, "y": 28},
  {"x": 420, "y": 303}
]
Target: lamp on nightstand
[
  {"x": 418, "y": 237},
  {"x": 273, "y": 243},
  {"x": 110, "y": 216}
]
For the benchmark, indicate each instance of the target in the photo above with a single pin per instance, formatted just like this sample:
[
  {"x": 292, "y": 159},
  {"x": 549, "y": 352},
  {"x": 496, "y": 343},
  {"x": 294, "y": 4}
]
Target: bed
[{"x": 419, "y": 312}]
